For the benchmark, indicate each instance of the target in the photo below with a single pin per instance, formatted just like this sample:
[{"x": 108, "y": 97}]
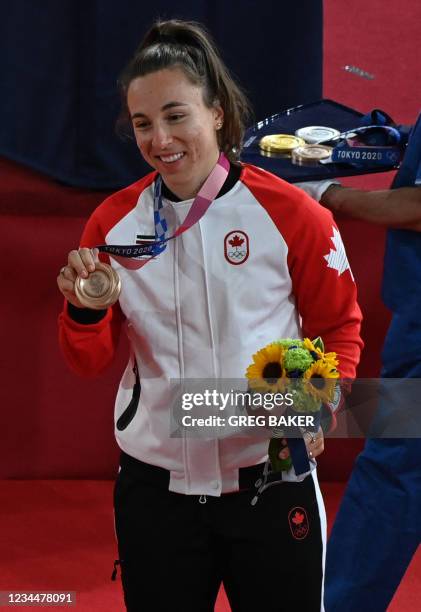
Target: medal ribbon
[
  {"x": 370, "y": 145},
  {"x": 297, "y": 446},
  {"x": 366, "y": 156},
  {"x": 124, "y": 254}
]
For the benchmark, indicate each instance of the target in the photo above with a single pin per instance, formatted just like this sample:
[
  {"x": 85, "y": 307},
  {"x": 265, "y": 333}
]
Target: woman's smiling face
[{"x": 175, "y": 131}]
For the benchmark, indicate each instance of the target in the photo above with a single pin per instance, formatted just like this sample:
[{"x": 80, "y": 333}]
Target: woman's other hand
[{"x": 314, "y": 443}]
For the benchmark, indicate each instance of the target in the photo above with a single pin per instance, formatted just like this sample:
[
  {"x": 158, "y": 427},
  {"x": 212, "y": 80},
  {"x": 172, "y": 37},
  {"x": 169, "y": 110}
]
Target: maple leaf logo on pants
[
  {"x": 298, "y": 523},
  {"x": 298, "y": 518}
]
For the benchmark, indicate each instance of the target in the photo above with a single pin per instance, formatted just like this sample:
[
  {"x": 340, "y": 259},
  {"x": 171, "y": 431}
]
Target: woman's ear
[{"x": 218, "y": 115}]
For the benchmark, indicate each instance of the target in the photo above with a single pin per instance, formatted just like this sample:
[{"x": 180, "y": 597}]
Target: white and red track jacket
[{"x": 265, "y": 262}]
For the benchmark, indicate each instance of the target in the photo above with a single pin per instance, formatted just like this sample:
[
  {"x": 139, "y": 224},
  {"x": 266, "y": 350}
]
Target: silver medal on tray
[{"x": 315, "y": 134}]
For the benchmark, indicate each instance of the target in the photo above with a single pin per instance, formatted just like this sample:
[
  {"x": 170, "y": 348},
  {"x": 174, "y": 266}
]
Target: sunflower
[
  {"x": 320, "y": 380},
  {"x": 267, "y": 372},
  {"x": 330, "y": 359},
  {"x": 316, "y": 353}
]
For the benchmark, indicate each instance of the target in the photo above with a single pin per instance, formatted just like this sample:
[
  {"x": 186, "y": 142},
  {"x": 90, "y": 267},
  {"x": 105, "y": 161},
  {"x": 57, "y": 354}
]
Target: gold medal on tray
[
  {"x": 100, "y": 289},
  {"x": 279, "y": 144}
]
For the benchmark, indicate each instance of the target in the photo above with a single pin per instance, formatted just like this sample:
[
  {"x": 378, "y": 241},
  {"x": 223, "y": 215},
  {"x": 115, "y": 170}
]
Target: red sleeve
[
  {"x": 90, "y": 348},
  {"x": 322, "y": 281}
]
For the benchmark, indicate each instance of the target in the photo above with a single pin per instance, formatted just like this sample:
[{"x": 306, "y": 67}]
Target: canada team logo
[
  {"x": 298, "y": 523},
  {"x": 236, "y": 247}
]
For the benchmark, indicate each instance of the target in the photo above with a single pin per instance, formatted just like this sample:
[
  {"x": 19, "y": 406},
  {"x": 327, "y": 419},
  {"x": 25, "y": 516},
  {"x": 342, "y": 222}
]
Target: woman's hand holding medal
[{"x": 85, "y": 282}]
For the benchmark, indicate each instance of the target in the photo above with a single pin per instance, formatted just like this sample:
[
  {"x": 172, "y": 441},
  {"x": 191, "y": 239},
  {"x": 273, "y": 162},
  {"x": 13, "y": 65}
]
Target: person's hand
[
  {"x": 314, "y": 443},
  {"x": 79, "y": 263}
]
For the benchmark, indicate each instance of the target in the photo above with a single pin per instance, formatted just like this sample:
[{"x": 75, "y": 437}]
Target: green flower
[
  {"x": 303, "y": 401},
  {"x": 297, "y": 359},
  {"x": 287, "y": 342}
]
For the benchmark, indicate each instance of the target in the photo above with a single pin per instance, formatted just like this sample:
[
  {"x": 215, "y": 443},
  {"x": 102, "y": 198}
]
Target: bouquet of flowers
[{"x": 301, "y": 368}]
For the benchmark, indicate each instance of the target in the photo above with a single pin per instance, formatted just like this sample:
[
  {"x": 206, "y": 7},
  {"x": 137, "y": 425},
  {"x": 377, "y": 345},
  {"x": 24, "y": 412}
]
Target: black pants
[{"x": 175, "y": 551}]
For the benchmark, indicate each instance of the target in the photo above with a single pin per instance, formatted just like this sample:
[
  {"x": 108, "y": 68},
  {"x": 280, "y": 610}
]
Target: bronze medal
[
  {"x": 100, "y": 289},
  {"x": 310, "y": 155}
]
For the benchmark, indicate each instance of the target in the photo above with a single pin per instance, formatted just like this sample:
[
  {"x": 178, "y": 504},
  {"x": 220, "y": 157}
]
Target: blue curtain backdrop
[{"x": 60, "y": 59}]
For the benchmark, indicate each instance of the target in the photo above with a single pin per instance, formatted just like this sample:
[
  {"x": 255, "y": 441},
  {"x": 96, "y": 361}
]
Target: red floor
[{"x": 58, "y": 535}]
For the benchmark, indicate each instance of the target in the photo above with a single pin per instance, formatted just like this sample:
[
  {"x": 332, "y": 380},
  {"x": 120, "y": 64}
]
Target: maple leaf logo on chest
[
  {"x": 236, "y": 241},
  {"x": 337, "y": 258}
]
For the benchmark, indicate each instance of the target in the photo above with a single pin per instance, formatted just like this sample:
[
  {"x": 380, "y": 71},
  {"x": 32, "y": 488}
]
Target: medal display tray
[{"x": 324, "y": 112}]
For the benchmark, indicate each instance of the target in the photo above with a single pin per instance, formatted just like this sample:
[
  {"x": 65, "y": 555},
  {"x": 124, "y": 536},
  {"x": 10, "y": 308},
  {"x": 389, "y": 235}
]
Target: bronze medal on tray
[
  {"x": 100, "y": 289},
  {"x": 310, "y": 154}
]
